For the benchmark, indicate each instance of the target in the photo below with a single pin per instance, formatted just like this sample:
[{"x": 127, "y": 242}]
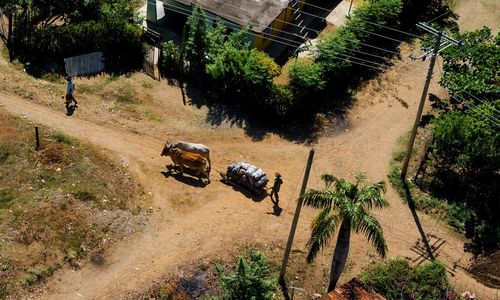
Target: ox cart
[{"x": 246, "y": 177}]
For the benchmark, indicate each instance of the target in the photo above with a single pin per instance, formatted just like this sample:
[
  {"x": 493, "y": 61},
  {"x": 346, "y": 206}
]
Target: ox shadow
[{"x": 186, "y": 178}]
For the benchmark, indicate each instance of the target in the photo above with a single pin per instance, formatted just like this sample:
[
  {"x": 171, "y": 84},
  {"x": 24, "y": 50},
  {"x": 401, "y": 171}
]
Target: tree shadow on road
[{"x": 317, "y": 118}]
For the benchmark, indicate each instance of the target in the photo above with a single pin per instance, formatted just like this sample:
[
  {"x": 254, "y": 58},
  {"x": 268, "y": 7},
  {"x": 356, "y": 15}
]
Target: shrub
[
  {"x": 333, "y": 53},
  {"x": 389, "y": 278},
  {"x": 61, "y": 138},
  {"x": 251, "y": 279},
  {"x": 169, "y": 59},
  {"x": 396, "y": 279},
  {"x": 306, "y": 77}
]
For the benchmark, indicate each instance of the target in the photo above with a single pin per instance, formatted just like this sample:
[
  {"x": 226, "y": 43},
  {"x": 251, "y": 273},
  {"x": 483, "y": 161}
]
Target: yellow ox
[{"x": 193, "y": 161}]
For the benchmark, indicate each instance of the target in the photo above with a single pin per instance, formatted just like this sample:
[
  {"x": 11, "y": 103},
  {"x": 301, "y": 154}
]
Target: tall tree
[
  {"x": 7, "y": 11},
  {"x": 346, "y": 204},
  {"x": 196, "y": 42}
]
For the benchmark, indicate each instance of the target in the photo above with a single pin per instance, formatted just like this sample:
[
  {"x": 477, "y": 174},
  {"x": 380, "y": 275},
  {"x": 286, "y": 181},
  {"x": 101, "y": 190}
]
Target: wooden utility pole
[
  {"x": 349, "y": 13},
  {"x": 296, "y": 217},
  {"x": 437, "y": 44}
]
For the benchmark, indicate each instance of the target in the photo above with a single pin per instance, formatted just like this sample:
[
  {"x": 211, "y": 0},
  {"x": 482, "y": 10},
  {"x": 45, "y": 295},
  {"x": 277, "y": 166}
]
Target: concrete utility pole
[
  {"x": 296, "y": 217},
  {"x": 409, "y": 149}
]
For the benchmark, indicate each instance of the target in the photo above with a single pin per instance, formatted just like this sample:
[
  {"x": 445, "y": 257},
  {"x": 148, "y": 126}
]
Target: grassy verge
[
  {"x": 453, "y": 214},
  {"x": 57, "y": 205}
]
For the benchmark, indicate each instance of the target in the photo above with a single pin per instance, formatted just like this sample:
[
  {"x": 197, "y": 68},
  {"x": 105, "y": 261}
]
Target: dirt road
[{"x": 194, "y": 223}]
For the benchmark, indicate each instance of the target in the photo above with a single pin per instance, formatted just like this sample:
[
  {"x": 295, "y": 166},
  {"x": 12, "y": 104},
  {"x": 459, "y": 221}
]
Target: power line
[
  {"x": 373, "y": 33},
  {"x": 483, "y": 102},
  {"x": 239, "y": 7},
  {"x": 357, "y": 63},
  {"x": 370, "y": 32},
  {"x": 322, "y": 18},
  {"x": 363, "y": 60},
  {"x": 358, "y": 51},
  {"x": 441, "y": 15},
  {"x": 366, "y": 21},
  {"x": 282, "y": 40},
  {"x": 287, "y": 32},
  {"x": 186, "y": 12},
  {"x": 475, "y": 109}
]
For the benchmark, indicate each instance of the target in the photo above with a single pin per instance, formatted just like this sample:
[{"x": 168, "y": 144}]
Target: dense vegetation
[
  {"x": 396, "y": 279},
  {"x": 45, "y": 31},
  {"x": 232, "y": 71},
  {"x": 463, "y": 161},
  {"x": 334, "y": 55},
  {"x": 465, "y": 153}
]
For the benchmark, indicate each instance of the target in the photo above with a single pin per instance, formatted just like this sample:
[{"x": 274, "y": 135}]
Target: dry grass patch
[{"x": 57, "y": 205}]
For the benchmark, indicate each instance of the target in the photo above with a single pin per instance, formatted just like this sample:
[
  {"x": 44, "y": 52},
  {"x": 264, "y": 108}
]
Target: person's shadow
[
  {"x": 276, "y": 208},
  {"x": 70, "y": 110}
]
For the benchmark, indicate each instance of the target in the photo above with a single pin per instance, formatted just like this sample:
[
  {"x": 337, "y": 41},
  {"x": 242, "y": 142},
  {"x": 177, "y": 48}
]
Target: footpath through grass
[{"x": 57, "y": 205}]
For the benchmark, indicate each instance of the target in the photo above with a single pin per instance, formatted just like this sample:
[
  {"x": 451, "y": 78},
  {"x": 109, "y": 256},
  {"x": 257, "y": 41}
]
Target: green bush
[
  {"x": 396, "y": 279},
  {"x": 251, "y": 279},
  {"x": 306, "y": 78},
  {"x": 333, "y": 52},
  {"x": 61, "y": 138},
  {"x": 169, "y": 59}
]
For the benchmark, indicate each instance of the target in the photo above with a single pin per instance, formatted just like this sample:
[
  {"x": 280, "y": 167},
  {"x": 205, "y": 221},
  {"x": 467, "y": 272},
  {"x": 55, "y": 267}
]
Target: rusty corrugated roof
[{"x": 353, "y": 290}]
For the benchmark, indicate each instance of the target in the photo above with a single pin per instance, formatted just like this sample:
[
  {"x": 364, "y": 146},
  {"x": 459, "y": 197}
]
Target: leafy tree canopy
[
  {"x": 473, "y": 68},
  {"x": 469, "y": 140}
]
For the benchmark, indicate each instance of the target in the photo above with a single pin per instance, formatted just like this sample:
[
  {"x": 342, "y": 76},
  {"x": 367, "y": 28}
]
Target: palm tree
[{"x": 342, "y": 202}]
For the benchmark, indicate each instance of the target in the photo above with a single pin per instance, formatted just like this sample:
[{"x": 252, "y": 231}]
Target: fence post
[{"x": 37, "y": 139}]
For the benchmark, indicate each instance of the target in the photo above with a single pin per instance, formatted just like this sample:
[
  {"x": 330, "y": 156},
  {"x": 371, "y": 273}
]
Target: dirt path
[{"x": 194, "y": 223}]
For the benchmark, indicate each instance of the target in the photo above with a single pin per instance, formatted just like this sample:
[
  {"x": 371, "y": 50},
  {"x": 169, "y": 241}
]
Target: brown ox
[
  {"x": 183, "y": 159},
  {"x": 192, "y": 148}
]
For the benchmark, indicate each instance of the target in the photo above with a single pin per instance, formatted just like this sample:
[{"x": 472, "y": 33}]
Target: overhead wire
[
  {"x": 322, "y": 18},
  {"x": 291, "y": 33},
  {"x": 366, "y": 63},
  {"x": 239, "y": 7},
  {"x": 288, "y": 204},
  {"x": 474, "y": 108},
  {"x": 364, "y": 20},
  {"x": 483, "y": 102},
  {"x": 282, "y": 40},
  {"x": 441, "y": 15}
]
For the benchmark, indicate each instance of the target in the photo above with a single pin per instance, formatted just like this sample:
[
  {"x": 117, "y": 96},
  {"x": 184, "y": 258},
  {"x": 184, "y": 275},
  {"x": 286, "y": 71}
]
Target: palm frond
[
  {"x": 344, "y": 187},
  {"x": 352, "y": 212},
  {"x": 371, "y": 195},
  {"x": 321, "y": 199},
  {"x": 328, "y": 179},
  {"x": 371, "y": 228},
  {"x": 323, "y": 227},
  {"x": 360, "y": 177}
]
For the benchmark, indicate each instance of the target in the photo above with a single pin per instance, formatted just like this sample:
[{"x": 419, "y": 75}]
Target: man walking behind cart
[{"x": 276, "y": 187}]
